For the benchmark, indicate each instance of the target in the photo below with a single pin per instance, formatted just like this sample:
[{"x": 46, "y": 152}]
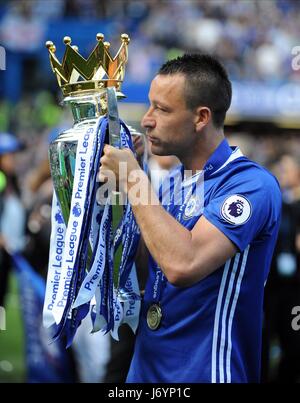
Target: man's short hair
[{"x": 207, "y": 83}]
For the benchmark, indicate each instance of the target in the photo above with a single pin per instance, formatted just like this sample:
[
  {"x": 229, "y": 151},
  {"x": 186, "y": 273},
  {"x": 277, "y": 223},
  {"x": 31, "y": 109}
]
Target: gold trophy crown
[{"x": 76, "y": 74}]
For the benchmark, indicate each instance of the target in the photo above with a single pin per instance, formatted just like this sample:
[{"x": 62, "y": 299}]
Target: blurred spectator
[
  {"x": 283, "y": 285},
  {"x": 12, "y": 213},
  {"x": 20, "y": 29},
  {"x": 91, "y": 353},
  {"x": 254, "y": 38},
  {"x": 39, "y": 183}
]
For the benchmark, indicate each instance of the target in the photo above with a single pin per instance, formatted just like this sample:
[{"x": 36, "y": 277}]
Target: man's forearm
[{"x": 167, "y": 240}]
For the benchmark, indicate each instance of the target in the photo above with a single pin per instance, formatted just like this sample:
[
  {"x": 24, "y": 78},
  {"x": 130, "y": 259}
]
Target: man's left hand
[{"x": 119, "y": 162}]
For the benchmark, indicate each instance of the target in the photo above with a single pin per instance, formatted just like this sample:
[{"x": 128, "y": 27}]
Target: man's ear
[{"x": 202, "y": 117}]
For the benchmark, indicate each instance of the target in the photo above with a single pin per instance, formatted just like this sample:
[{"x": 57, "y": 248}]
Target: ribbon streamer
[{"x": 83, "y": 246}]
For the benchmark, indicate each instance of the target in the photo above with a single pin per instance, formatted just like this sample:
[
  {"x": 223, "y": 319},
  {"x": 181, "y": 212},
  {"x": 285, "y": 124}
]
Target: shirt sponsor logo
[{"x": 236, "y": 210}]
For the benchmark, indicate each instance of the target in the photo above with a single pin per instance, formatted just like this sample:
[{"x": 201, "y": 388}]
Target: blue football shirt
[{"x": 211, "y": 331}]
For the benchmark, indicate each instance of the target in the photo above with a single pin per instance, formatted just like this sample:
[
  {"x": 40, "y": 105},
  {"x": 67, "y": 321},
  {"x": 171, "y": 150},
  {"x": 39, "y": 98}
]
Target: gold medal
[{"x": 154, "y": 316}]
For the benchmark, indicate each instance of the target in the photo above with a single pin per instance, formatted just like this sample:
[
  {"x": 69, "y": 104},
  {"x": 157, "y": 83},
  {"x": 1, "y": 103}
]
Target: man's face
[{"x": 170, "y": 125}]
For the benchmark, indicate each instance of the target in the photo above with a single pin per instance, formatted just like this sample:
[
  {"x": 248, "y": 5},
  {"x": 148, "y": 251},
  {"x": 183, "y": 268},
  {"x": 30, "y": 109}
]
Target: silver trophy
[{"x": 91, "y": 87}]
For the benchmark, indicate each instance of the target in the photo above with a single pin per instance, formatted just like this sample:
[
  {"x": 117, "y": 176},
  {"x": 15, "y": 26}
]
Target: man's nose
[{"x": 148, "y": 122}]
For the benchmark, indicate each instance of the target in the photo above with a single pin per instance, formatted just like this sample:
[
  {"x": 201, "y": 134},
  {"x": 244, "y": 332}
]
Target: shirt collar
[{"x": 217, "y": 159}]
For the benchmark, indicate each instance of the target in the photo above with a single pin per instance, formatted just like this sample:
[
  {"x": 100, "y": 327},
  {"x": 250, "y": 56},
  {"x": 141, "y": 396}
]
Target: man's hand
[
  {"x": 139, "y": 147},
  {"x": 120, "y": 163}
]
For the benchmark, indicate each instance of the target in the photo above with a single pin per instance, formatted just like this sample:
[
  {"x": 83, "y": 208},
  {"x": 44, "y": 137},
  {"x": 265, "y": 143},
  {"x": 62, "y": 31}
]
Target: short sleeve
[{"x": 245, "y": 208}]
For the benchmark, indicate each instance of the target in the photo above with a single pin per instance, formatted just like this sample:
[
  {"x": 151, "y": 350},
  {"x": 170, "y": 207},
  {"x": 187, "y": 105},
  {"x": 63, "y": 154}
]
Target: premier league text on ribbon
[
  {"x": 58, "y": 258},
  {"x": 71, "y": 242},
  {"x": 83, "y": 162}
]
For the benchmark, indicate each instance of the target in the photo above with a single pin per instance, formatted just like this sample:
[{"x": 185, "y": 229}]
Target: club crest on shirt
[
  {"x": 192, "y": 208},
  {"x": 236, "y": 209}
]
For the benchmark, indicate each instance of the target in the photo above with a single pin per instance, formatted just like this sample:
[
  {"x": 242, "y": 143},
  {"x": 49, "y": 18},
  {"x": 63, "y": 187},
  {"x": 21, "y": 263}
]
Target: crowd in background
[{"x": 252, "y": 38}]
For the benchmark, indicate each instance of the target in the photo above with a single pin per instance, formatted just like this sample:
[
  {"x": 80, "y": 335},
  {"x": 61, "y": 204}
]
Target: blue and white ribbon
[
  {"x": 92, "y": 279},
  {"x": 57, "y": 242},
  {"x": 80, "y": 275},
  {"x": 84, "y": 155}
]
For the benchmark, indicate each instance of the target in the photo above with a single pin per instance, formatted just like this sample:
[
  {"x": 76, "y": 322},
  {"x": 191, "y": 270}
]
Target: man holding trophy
[
  {"x": 210, "y": 249},
  {"x": 210, "y": 234}
]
